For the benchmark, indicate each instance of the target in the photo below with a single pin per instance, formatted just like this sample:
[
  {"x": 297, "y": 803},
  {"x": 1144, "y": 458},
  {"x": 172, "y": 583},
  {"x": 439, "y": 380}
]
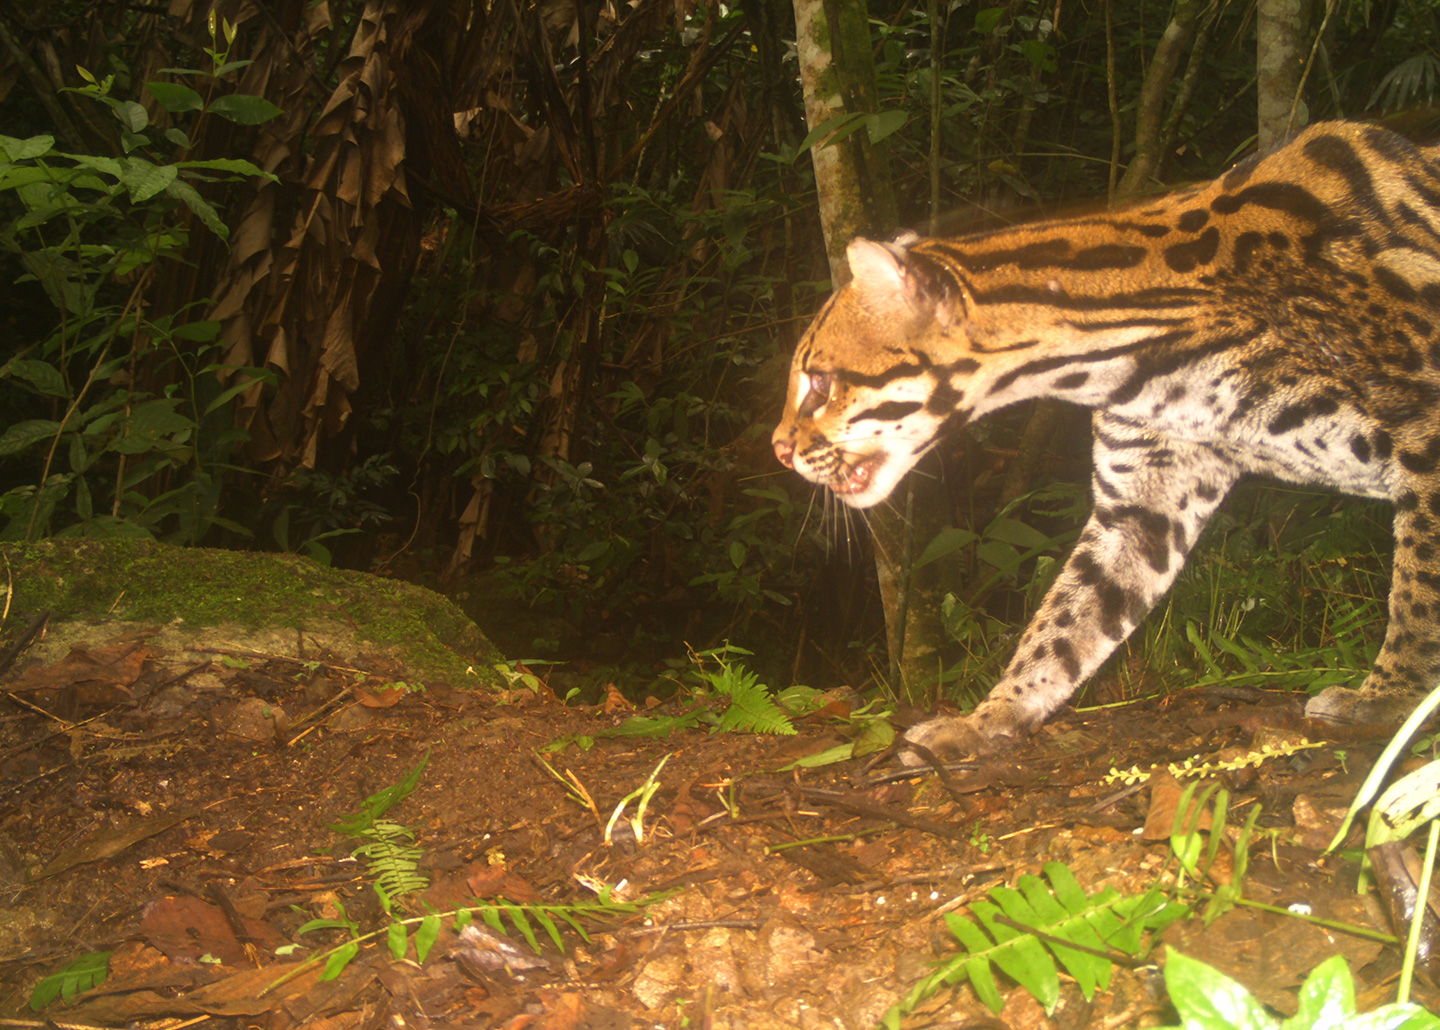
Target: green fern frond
[
  {"x": 574, "y": 914},
  {"x": 752, "y": 710},
  {"x": 1028, "y": 929},
  {"x": 392, "y": 860}
]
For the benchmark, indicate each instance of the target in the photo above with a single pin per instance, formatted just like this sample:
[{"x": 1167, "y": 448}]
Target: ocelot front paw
[
  {"x": 990, "y": 728},
  {"x": 1349, "y": 707}
]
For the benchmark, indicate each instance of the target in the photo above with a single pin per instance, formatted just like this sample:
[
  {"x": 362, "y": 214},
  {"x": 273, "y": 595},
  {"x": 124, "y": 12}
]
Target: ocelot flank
[{"x": 1282, "y": 320}]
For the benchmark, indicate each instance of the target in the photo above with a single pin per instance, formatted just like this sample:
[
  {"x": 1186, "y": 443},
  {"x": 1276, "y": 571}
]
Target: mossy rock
[{"x": 271, "y": 602}]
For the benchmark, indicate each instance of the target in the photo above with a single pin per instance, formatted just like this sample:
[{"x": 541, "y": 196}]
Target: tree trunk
[
  {"x": 837, "y": 72},
  {"x": 1280, "y": 53}
]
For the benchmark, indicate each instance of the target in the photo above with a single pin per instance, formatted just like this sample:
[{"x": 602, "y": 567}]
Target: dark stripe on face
[
  {"x": 890, "y": 411},
  {"x": 879, "y": 379}
]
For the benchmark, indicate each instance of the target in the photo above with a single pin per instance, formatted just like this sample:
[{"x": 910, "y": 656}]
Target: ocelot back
[{"x": 1282, "y": 320}]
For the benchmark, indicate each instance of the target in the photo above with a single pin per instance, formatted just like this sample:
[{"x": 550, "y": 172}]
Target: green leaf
[
  {"x": 23, "y": 434},
  {"x": 150, "y": 423},
  {"x": 26, "y": 149},
  {"x": 85, "y": 972},
  {"x": 1013, "y": 531},
  {"x": 1207, "y": 998},
  {"x": 428, "y": 934},
  {"x": 338, "y": 960},
  {"x": 43, "y": 376},
  {"x": 244, "y": 109},
  {"x": 398, "y": 940},
  {"x": 230, "y": 164},
  {"x": 885, "y": 123},
  {"x": 987, "y": 20},
  {"x": 144, "y": 179},
  {"x": 131, "y": 115},
  {"x": 174, "y": 97},
  {"x": 196, "y": 332},
  {"x": 187, "y": 195},
  {"x": 947, "y": 541},
  {"x": 1327, "y": 999}
]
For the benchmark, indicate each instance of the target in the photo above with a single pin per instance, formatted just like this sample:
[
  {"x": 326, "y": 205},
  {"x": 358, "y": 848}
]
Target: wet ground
[{"x": 172, "y": 803}]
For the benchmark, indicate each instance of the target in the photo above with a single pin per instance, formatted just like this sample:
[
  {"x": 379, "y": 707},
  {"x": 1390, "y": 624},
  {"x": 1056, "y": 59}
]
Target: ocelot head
[{"x": 866, "y": 400}]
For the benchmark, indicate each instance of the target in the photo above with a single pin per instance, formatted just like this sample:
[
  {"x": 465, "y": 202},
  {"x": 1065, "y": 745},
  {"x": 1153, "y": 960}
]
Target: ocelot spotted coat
[{"x": 1282, "y": 320}]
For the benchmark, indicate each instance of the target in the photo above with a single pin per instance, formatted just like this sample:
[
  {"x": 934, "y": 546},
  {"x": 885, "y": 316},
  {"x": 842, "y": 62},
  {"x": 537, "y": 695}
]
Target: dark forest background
[{"x": 500, "y": 296}]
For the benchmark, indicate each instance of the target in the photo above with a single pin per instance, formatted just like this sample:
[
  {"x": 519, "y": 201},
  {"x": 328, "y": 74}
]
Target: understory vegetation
[{"x": 503, "y": 301}]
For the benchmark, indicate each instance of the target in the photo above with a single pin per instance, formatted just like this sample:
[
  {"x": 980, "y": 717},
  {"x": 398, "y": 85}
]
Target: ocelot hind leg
[
  {"x": 1152, "y": 498},
  {"x": 1408, "y": 665}
]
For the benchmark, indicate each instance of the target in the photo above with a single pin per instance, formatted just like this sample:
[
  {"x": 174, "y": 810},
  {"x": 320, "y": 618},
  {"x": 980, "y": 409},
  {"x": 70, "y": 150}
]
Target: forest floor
[{"x": 171, "y": 802}]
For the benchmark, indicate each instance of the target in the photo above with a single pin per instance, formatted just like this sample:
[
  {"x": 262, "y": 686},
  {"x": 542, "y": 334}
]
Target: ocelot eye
[{"x": 818, "y": 394}]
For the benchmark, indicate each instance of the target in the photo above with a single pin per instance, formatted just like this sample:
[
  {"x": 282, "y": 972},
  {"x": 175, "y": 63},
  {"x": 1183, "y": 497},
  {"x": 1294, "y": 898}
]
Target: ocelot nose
[{"x": 785, "y": 453}]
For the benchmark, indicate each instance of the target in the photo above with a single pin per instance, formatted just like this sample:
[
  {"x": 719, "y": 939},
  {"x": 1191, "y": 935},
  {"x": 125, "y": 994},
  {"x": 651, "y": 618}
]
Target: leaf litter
[{"x": 748, "y": 890}]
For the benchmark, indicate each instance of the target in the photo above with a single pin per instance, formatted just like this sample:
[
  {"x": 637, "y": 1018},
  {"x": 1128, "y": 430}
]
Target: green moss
[{"x": 138, "y": 581}]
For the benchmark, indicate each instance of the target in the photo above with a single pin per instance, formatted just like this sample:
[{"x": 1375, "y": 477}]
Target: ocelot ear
[{"x": 888, "y": 286}]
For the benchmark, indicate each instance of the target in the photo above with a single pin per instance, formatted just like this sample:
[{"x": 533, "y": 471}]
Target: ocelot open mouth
[{"x": 858, "y": 479}]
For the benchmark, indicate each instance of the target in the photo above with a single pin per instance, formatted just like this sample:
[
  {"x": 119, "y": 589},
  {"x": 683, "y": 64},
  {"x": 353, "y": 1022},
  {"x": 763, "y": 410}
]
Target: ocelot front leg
[
  {"x": 1408, "y": 665},
  {"x": 1152, "y": 497}
]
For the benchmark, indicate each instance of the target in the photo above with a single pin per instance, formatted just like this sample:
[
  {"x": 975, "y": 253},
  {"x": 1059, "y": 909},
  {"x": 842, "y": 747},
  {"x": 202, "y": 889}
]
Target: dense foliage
[{"x": 509, "y": 290}]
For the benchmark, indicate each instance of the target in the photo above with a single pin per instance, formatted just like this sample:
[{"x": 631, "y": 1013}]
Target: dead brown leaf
[{"x": 109, "y": 843}]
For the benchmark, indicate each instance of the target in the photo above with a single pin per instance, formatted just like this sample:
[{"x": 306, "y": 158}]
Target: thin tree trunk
[
  {"x": 1280, "y": 51},
  {"x": 837, "y": 72}
]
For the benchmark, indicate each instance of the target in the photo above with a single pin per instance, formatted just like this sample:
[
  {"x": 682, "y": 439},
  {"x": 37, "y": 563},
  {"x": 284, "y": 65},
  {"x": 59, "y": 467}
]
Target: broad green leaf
[
  {"x": 428, "y": 934},
  {"x": 43, "y": 376},
  {"x": 149, "y": 422},
  {"x": 885, "y": 123},
  {"x": 131, "y": 115},
  {"x": 197, "y": 332},
  {"x": 336, "y": 963},
  {"x": 26, "y": 149},
  {"x": 1207, "y": 999},
  {"x": 947, "y": 541},
  {"x": 1013, "y": 531},
  {"x": 1327, "y": 998},
  {"x": 174, "y": 97},
  {"x": 23, "y": 434},
  {"x": 398, "y": 939},
  {"x": 244, "y": 109},
  {"x": 187, "y": 194},
  {"x": 144, "y": 179}
]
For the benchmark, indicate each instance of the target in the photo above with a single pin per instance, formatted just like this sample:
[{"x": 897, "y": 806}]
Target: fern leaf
[
  {"x": 517, "y": 916},
  {"x": 491, "y": 915},
  {"x": 752, "y": 711},
  {"x": 1022, "y": 957},
  {"x": 1090, "y": 971},
  {"x": 1027, "y": 929},
  {"x": 976, "y": 969},
  {"x": 543, "y": 918}
]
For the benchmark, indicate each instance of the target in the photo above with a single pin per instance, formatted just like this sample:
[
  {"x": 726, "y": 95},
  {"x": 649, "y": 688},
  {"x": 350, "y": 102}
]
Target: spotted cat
[{"x": 1282, "y": 320}]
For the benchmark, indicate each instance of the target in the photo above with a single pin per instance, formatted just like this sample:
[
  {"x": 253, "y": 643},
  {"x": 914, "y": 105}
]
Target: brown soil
[{"x": 169, "y": 800}]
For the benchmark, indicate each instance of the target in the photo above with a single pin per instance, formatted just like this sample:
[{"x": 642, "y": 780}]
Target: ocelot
[{"x": 1282, "y": 320}]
